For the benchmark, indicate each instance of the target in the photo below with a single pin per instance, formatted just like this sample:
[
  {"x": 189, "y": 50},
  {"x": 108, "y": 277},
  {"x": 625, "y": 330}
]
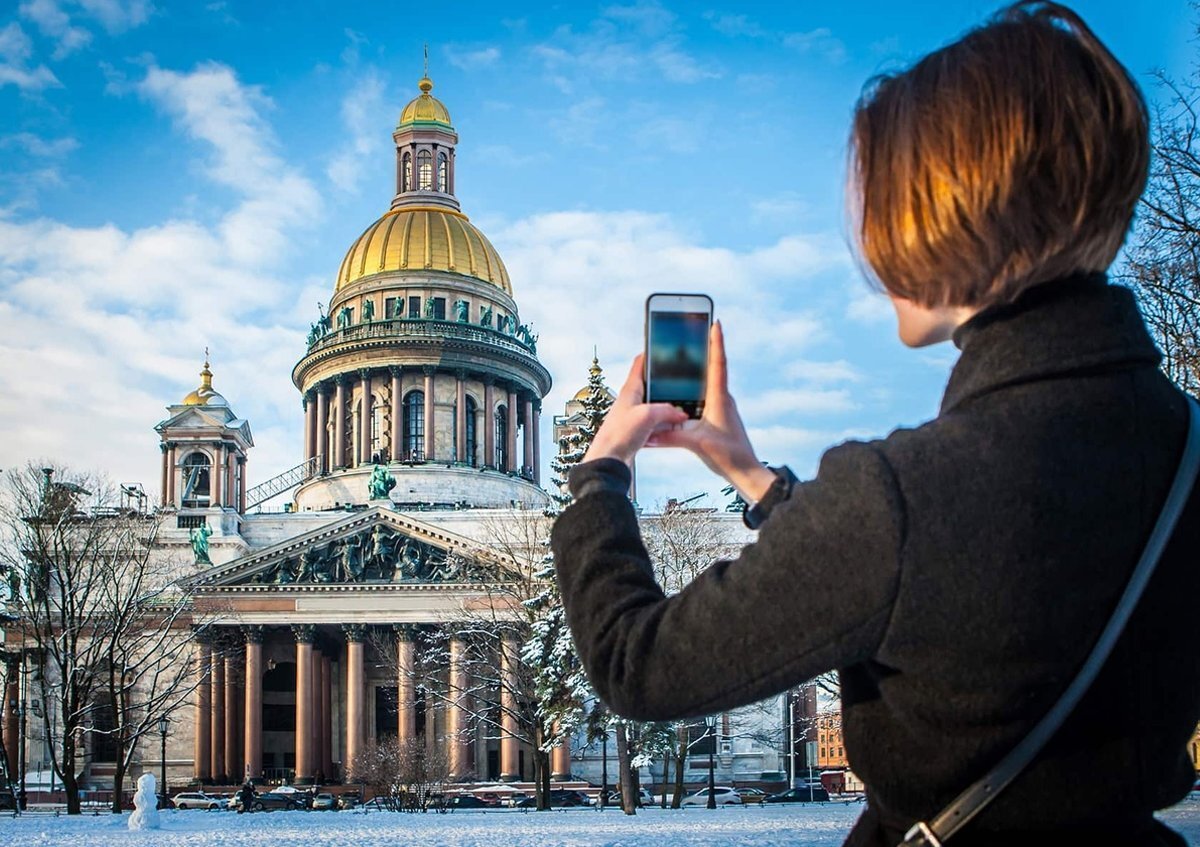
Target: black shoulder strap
[{"x": 968, "y": 804}]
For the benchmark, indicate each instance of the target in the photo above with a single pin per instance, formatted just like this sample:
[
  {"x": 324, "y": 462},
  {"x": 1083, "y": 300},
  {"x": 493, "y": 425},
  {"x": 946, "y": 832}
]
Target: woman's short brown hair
[{"x": 1011, "y": 157}]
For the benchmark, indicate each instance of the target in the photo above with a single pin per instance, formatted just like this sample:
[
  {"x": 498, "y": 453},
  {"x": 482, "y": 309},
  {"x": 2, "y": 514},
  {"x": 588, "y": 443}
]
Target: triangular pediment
[
  {"x": 205, "y": 418},
  {"x": 373, "y": 547}
]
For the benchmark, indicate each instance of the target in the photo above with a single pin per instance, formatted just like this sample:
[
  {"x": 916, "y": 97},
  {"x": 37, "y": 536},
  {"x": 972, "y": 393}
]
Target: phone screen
[{"x": 678, "y": 354}]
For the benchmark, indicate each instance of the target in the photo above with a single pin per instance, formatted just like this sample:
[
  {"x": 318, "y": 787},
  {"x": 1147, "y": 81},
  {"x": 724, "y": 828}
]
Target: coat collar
[{"x": 1074, "y": 324}]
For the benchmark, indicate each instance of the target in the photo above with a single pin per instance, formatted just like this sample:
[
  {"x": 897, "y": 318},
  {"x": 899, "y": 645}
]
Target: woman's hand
[
  {"x": 630, "y": 421},
  {"x": 719, "y": 438}
]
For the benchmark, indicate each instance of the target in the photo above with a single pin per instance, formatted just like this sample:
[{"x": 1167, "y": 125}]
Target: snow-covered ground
[{"x": 821, "y": 825}]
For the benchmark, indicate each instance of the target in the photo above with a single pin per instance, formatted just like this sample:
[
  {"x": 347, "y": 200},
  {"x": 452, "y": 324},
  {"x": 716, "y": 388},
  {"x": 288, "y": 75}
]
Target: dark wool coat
[{"x": 956, "y": 574}]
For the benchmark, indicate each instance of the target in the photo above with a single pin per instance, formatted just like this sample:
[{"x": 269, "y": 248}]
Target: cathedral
[{"x": 420, "y": 475}]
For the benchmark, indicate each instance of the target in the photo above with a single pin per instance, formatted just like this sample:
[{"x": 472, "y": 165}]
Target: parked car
[
  {"x": 752, "y": 795},
  {"x": 349, "y": 800},
  {"x": 807, "y": 794},
  {"x": 269, "y": 801},
  {"x": 324, "y": 803},
  {"x": 723, "y": 794},
  {"x": 196, "y": 800},
  {"x": 234, "y": 802},
  {"x": 467, "y": 801},
  {"x": 645, "y": 798}
]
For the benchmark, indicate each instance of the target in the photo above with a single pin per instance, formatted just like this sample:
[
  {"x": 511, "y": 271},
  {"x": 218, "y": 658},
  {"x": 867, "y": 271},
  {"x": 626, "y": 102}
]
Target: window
[
  {"x": 197, "y": 484},
  {"x": 389, "y": 308},
  {"x": 413, "y": 438},
  {"x": 701, "y": 742},
  {"x": 439, "y": 308},
  {"x": 443, "y": 174},
  {"x": 376, "y": 443},
  {"x": 469, "y": 455},
  {"x": 414, "y": 308},
  {"x": 406, "y": 173},
  {"x": 102, "y": 736},
  {"x": 502, "y": 438},
  {"x": 425, "y": 171}
]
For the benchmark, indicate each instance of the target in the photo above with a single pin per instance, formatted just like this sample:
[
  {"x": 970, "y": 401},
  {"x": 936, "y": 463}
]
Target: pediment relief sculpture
[{"x": 379, "y": 554}]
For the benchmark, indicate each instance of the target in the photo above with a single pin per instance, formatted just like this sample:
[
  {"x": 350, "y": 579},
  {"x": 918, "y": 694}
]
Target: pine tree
[{"x": 560, "y": 686}]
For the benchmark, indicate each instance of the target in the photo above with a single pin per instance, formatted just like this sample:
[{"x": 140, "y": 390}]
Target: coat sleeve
[{"x": 813, "y": 593}]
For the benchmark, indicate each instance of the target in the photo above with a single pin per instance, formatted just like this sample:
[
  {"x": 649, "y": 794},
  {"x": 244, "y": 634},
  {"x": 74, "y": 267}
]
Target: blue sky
[{"x": 182, "y": 175}]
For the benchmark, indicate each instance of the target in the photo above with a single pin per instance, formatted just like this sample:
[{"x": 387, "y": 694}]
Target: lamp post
[
  {"x": 603, "y": 771},
  {"x": 163, "y": 725},
  {"x": 711, "y": 723}
]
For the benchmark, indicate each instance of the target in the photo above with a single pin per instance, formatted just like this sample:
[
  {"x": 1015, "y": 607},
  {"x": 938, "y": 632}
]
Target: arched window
[
  {"x": 413, "y": 437},
  {"x": 443, "y": 174},
  {"x": 502, "y": 438},
  {"x": 425, "y": 171},
  {"x": 469, "y": 455},
  {"x": 376, "y": 429},
  {"x": 406, "y": 173},
  {"x": 197, "y": 481},
  {"x": 102, "y": 736}
]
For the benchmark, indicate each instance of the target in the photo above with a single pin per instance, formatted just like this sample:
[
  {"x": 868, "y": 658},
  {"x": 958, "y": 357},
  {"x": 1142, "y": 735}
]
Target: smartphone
[{"x": 677, "y": 350}]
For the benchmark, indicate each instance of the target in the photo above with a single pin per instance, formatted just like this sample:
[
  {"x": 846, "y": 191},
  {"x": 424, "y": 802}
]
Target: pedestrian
[
  {"x": 247, "y": 793},
  {"x": 957, "y": 574}
]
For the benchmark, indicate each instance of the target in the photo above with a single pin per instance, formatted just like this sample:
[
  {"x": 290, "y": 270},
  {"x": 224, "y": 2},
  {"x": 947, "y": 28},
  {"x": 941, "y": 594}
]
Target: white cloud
[
  {"x": 867, "y": 305},
  {"x": 118, "y": 15},
  {"x": 361, "y": 107},
  {"x": 114, "y": 322},
  {"x": 470, "y": 60},
  {"x": 37, "y": 146},
  {"x": 211, "y": 105},
  {"x": 53, "y": 22},
  {"x": 15, "y": 52},
  {"x": 820, "y": 42}
]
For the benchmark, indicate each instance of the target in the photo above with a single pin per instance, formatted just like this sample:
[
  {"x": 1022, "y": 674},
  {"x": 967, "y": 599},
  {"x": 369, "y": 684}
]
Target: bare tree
[
  {"x": 103, "y": 619},
  {"x": 406, "y": 775},
  {"x": 1163, "y": 259}
]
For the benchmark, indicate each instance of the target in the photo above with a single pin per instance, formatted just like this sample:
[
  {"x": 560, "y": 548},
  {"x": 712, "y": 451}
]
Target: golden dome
[
  {"x": 205, "y": 395},
  {"x": 425, "y": 108},
  {"x": 423, "y": 238}
]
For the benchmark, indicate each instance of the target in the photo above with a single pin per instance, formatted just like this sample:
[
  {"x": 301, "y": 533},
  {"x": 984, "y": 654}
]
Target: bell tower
[
  {"x": 425, "y": 141},
  {"x": 204, "y": 446}
]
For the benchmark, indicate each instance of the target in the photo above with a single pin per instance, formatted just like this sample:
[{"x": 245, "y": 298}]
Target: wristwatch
[{"x": 779, "y": 490}]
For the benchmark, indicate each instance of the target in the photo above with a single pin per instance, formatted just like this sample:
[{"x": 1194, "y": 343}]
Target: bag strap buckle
[{"x": 920, "y": 835}]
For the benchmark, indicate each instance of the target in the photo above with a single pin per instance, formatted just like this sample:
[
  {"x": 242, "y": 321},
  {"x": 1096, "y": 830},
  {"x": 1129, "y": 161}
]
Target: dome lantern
[{"x": 425, "y": 141}]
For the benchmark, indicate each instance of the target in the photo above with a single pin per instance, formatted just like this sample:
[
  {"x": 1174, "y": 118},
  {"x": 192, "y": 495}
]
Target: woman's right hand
[{"x": 719, "y": 437}]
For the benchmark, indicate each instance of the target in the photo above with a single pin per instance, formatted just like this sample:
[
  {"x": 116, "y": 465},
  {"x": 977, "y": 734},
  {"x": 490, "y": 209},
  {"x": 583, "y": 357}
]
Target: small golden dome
[
  {"x": 426, "y": 108},
  {"x": 423, "y": 238},
  {"x": 205, "y": 395}
]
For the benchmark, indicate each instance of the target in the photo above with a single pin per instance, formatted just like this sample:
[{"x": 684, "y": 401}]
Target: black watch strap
[{"x": 780, "y": 490}]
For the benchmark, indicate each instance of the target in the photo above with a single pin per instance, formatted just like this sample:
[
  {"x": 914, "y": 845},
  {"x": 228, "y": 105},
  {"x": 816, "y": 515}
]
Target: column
[
  {"x": 241, "y": 504},
  {"x": 327, "y": 716},
  {"x": 460, "y": 417},
  {"x": 368, "y": 412},
  {"x": 202, "y": 745},
  {"x": 537, "y": 443},
  {"x": 510, "y": 446},
  {"x": 560, "y": 761},
  {"x": 355, "y": 693},
  {"x": 322, "y": 434},
  {"x": 253, "y": 718},
  {"x": 339, "y": 424},
  {"x": 310, "y": 425},
  {"x": 163, "y": 493},
  {"x": 489, "y": 423},
  {"x": 509, "y": 761},
  {"x": 217, "y": 722},
  {"x": 231, "y": 722},
  {"x": 455, "y": 718},
  {"x": 216, "y": 478},
  {"x": 431, "y": 448},
  {"x": 527, "y": 452},
  {"x": 318, "y": 699},
  {"x": 171, "y": 474},
  {"x": 238, "y": 771},
  {"x": 230, "y": 496},
  {"x": 304, "y": 634},
  {"x": 397, "y": 397},
  {"x": 406, "y": 703}
]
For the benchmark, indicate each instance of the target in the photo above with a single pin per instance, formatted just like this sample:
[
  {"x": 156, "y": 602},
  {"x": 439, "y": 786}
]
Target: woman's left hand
[{"x": 630, "y": 421}]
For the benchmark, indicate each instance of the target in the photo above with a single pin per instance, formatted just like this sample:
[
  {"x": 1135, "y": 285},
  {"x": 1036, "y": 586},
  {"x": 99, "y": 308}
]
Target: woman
[{"x": 958, "y": 573}]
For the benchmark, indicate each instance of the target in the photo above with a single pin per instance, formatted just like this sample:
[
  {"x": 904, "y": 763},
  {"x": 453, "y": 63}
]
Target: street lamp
[
  {"x": 603, "y": 771},
  {"x": 163, "y": 725},
  {"x": 711, "y": 723}
]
